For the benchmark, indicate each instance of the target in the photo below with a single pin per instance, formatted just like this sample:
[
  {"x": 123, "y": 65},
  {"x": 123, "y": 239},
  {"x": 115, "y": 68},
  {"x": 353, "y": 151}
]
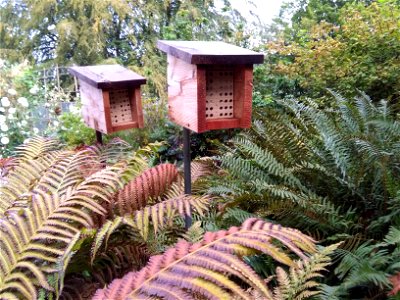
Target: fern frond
[
  {"x": 36, "y": 147},
  {"x": 194, "y": 234},
  {"x": 152, "y": 183},
  {"x": 24, "y": 177},
  {"x": 157, "y": 216},
  {"x": 44, "y": 234},
  {"x": 189, "y": 269},
  {"x": 300, "y": 282}
]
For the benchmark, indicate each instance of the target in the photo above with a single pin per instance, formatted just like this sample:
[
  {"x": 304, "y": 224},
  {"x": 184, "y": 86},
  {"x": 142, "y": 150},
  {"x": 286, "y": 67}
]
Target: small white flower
[
  {"x": 12, "y": 92},
  {"x": 74, "y": 109},
  {"x": 24, "y": 123},
  {"x": 34, "y": 90},
  {"x": 23, "y": 101},
  {"x": 5, "y": 102},
  {"x": 35, "y": 130},
  {"x": 4, "y": 127},
  {"x": 12, "y": 110},
  {"x": 55, "y": 123},
  {"x": 2, "y": 119},
  {"x": 5, "y": 140},
  {"x": 51, "y": 27}
]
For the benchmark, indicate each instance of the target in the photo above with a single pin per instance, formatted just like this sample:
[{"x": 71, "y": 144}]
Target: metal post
[
  {"x": 99, "y": 137},
  {"x": 187, "y": 170}
]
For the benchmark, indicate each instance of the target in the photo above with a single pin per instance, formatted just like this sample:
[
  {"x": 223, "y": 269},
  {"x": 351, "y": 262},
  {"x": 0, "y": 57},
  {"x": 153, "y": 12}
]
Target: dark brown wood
[
  {"x": 200, "y": 52},
  {"x": 108, "y": 76}
]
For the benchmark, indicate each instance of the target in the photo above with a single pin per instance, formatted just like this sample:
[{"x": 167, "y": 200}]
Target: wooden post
[
  {"x": 99, "y": 137},
  {"x": 187, "y": 170}
]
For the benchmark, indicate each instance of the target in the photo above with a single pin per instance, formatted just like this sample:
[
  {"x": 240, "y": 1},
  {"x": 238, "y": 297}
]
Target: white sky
[{"x": 266, "y": 9}]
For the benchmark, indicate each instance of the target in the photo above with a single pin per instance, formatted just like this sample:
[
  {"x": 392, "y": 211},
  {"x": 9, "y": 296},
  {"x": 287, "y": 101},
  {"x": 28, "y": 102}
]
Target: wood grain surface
[
  {"x": 108, "y": 76},
  {"x": 201, "y": 52}
]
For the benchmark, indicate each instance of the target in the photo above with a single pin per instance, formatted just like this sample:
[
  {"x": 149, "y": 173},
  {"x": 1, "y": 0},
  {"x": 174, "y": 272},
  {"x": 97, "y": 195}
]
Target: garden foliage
[
  {"x": 72, "y": 221},
  {"x": 333, "y": 173}
]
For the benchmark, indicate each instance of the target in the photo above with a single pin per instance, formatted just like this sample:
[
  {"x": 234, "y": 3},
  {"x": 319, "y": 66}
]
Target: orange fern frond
[
  {"x": 114, "y": 263},
  {"x": 199, "y": 168},
  {"x": 152, "y": 183},
  {"x": 204, "y": 268},
  {"x": 395, "y": 281}
]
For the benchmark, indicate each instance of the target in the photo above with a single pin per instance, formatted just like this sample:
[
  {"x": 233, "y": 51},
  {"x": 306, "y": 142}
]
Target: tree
[
  {"x": 359, "y": 52},
  {"x": 88, "y": 32}
]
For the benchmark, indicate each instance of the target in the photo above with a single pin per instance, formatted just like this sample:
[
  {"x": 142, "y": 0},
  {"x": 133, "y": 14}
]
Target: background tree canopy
[
  {"x": 85, "y": 32},
  {"x": 342, "y": 45}
]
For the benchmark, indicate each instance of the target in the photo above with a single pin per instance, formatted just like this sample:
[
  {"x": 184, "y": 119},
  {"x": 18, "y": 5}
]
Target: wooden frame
[
  {"x": 111, "y": 97},
  {"x": 209, "y": 84}
]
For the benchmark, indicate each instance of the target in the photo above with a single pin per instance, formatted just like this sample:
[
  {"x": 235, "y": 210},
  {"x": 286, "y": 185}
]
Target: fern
[
  {"x": 189, "y": 269},
  {"x": 24, "y": 176},
  {"x": 157, "y": 216},
  {"x": 35, "y": 147},
  {"x": 42, "y": 235},
  {"x": 152, "y": 183},
  {"x": 48, "y": 198}
]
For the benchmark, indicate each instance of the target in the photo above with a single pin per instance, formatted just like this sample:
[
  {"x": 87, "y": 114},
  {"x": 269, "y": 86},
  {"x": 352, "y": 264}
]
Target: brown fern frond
[
  {"x": 395, "y": 281},
  {"x": 206, "y": 268},
  {"x": 199, "y": 169},
  {"x": 202, "y": 167},
  {"x": 152, "y": 183},
  {"x": 116, "y": 262}
]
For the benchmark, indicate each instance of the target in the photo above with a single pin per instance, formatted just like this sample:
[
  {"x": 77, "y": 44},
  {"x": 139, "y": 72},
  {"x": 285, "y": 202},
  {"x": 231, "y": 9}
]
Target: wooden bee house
[
  {"x": 111, "y": 99},
  {"x": 209, "y": 84}
]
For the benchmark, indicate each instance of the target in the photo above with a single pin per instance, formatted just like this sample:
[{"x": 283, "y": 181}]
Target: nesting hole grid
[
  {"x": 219, "y": 96},
  {"x": 120, "y": 106}
]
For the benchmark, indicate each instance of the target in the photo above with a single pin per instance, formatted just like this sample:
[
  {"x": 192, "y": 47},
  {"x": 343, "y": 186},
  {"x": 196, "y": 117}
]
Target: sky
[{"x": 266, "y": 9}]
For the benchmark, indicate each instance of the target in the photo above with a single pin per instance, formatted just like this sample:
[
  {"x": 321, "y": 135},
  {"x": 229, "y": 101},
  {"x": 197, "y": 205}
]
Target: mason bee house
[
  {"x": 209, "y": 84},
  {"x": 111, "y": 98}
]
